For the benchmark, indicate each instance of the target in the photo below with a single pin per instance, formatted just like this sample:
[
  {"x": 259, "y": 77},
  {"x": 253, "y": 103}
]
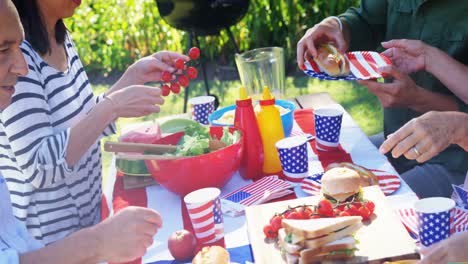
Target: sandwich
[
  {"x": 341, "y": 184},
  {"x": 317, "y": 240},
  {"x": 331, "y": 61}
]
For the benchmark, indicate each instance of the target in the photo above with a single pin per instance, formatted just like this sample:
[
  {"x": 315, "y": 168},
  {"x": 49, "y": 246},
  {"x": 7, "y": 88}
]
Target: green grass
[{"x": 362, "y": 105}]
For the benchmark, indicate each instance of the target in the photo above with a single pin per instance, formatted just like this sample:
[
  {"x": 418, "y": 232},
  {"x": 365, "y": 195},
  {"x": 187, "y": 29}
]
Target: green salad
[{"x": 196, "y": 140}]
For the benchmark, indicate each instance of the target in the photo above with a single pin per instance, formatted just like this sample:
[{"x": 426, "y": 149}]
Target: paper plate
[
  {"x": 387, "y": 183},
  {"x": 363, "y": 66}
]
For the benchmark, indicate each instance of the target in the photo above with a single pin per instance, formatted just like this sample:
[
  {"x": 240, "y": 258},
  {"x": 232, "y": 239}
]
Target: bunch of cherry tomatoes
[
  {"x": 324, "y": 209},
  {"x": 183, "y": 74}
]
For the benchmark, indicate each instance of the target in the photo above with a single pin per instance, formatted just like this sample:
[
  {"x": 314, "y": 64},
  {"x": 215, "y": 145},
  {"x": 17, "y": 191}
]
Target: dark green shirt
[{"x": 440, "y": 23}]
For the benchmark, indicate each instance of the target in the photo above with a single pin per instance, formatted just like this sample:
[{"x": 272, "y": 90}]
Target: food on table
[
  {"x": 340, "y": 184},
  {"x": 212, "y": 255},
  {"x": 316, "y": 240},
  {"x": 342, "y": 193},
  {"x": 182, "y": 244},
  {"x": 367, "y": 177},
  {"x": 146, "y": 133},
  {"x": 197, "y": 140},
  {"x": 172, "y": 81},
  {"x": 176, "y": 125},
  {"x": 228, "y": 117},
  {"x": 331, "y": 61}
]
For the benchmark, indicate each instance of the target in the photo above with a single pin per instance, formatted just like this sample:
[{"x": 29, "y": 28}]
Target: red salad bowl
[{"x": 183, "y": 175}]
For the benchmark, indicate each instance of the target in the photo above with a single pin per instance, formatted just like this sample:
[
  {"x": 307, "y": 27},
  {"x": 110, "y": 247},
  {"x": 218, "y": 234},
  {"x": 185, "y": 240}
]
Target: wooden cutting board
[{"x": 384, "y": 237}]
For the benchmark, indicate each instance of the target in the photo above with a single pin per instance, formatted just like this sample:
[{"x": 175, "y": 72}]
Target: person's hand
[
  {"x": 422, "y": 138},
  {"x": 126, "y": 235},
  {"x": 452, "y": 249},
  {"x": 408, "y": 55},
  {"x": 325, "y": 32},
  {"x": 136, "y": 101},
  {"x": 150, "y": 68},
  {"x": 399, "y": 93}
]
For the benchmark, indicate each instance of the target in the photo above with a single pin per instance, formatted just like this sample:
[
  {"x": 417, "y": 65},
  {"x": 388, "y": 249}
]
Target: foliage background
[{"x": 111, "y": 34}]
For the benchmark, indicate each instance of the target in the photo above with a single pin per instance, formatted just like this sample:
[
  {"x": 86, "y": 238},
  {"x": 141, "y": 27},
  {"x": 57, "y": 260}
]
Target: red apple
[{"x": 182, "y": 244}]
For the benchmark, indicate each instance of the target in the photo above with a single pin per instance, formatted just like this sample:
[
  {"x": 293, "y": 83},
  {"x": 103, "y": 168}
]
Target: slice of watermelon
[{"x": 146, "y": 133}]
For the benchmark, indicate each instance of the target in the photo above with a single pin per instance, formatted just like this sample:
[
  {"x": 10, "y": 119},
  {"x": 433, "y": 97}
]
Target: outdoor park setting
[{"x": 123, "y": 31}]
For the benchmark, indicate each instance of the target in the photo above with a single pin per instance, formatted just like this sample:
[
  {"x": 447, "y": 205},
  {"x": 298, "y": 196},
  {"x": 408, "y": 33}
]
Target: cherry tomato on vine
[
  {"x": 183, "y": 81},
  {"x": 275, "y": 222},
  {"x": 269, "y": 232},
  {"x": 325, "y": 208},
  {"x": 179, "y": 64},
  {"x": 192, "y": 73},
  {"x": 175, "y": 87},
  {"x": 194, "y": 53},
  {"x": 165, "y": 90},
  {"x": 371, "y": 206},
  {"x": 364, "y": 212},
  {"x": 344, "y": 213},
  {"x": 166, "y": 76}
]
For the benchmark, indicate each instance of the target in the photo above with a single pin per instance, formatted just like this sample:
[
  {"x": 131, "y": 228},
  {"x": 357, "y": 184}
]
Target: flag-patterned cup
[
  {"x": 204, "y": 209},
  {"x": 201, "y": 108},
  {"x": 434, "y": 219},
  {"x": 293, "y": 156},
  {"x": 327, "y": 128}
]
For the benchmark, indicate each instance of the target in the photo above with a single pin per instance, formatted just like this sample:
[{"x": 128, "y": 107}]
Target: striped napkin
[
  {"x": 258, "y": 192},
  {"x": 363, "y": 66}
]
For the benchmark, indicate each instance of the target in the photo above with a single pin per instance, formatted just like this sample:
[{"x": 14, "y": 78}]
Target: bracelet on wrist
[
  {"x": 338, "y": 20},
  {"x": 106, "y": 97}
]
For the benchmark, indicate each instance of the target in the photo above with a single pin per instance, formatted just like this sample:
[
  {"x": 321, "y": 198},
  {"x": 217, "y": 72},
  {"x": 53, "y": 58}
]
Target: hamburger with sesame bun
[{"x": 341, "y": 184}]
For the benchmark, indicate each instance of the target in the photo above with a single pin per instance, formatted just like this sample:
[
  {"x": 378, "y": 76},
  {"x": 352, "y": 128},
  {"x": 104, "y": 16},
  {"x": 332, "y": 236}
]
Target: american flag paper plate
[
  {"x": 387, "y": 183},
  {"x": 363, "y": 66}
]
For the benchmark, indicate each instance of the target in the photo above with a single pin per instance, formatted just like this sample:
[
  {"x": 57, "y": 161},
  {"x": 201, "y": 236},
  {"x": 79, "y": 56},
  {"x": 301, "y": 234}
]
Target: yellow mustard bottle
[{"x": 271, "y": 131}]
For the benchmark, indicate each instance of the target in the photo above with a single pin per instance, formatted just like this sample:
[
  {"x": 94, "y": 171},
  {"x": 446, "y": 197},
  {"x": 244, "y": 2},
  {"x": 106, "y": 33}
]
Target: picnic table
[{"x": 170, "y": 206}]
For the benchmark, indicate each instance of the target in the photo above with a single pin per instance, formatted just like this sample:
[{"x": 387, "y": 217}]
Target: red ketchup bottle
[{"x": 246, "y": 121}]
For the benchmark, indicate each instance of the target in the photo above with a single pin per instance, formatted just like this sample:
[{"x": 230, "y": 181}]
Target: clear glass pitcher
[{"x": 262, "y": 67}]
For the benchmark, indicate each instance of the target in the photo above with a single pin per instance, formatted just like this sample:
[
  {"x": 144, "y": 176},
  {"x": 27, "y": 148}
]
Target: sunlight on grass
[{"x": 360, "y": 104}]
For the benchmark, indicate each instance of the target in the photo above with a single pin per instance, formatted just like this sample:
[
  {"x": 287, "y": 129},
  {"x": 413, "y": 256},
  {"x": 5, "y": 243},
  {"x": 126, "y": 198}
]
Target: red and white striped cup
[{"x": 204, "y": 209}]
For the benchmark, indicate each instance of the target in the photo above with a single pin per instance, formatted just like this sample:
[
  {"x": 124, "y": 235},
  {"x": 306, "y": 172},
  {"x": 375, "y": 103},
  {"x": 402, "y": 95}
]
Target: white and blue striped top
[
  {"x": 50, "y": 197},
  {"x": 14, "y": 238}
]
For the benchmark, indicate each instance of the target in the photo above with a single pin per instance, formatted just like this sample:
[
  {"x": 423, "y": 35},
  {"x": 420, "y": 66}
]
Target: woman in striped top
[{"x": 49, "y": 135}]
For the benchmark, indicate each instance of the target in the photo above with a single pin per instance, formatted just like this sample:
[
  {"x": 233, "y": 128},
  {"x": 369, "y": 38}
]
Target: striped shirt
[
  {"x": 50, "y": 197},
  {"x": 14, "y": 238}
]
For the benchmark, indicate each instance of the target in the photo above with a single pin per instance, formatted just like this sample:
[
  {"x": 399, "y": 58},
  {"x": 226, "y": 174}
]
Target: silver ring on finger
[{"x": 416, "y": 151}]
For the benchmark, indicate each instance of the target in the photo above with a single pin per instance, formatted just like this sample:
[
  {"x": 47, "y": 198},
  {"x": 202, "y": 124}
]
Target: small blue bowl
[{"x": 286, "y": 119}]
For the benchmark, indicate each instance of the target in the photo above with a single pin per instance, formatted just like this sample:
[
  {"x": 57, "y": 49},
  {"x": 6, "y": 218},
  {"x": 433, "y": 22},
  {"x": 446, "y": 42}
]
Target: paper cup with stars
[
  {"x": 201, "y": 108},
  {"x": 327, "y": 128},
  {"x": 204, "y": 209},
  {"x": 434, "y": 219},
  {"x": 293, "y": 156}
]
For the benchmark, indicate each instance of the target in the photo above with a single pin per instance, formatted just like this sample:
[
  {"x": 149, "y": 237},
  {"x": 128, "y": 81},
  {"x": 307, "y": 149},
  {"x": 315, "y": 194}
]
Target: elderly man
[{"x": 90, "y": 245}]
